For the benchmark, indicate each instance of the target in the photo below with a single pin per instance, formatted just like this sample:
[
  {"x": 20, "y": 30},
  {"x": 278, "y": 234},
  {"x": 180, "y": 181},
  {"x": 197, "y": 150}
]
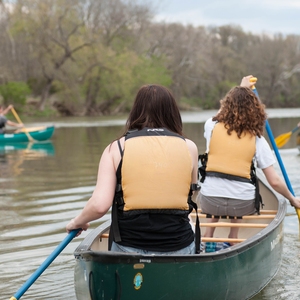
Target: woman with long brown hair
[{"x": 146, "y": 176}]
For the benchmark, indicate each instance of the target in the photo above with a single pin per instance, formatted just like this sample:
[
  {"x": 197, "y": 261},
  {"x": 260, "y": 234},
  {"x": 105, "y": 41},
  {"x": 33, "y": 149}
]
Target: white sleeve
[
  {"x": 264, "y": 155},
  {"x": 208, "y": 127}
]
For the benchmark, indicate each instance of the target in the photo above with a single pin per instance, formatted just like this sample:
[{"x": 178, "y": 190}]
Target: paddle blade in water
[{"x": 282, "y": 139}]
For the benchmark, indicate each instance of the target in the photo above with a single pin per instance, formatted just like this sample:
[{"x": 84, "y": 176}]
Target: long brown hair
[
  {"x": 154, "y": 107},
  {"x": 242, "y": 111}
]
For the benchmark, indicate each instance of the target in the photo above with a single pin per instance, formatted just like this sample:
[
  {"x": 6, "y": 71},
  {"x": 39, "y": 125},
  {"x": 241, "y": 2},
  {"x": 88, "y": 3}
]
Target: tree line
[{"x": 89, "y": 57}]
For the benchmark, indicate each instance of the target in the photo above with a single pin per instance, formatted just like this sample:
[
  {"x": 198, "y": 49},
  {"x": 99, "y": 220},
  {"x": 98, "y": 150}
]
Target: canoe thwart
[
  {"x": 248, "y": 217},
  {"x": 262, "y": 212},
  {"x": 221, "y": 240},
  {"x": 225, "y": 224}
]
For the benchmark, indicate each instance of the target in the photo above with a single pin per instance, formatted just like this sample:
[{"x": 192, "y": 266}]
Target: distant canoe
[
  {"x": 37, "y": 134},
  {"x": 235, "y": 273}
]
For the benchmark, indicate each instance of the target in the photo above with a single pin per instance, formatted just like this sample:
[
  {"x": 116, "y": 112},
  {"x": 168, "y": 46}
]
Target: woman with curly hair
[{"x": 235, "y": 144}]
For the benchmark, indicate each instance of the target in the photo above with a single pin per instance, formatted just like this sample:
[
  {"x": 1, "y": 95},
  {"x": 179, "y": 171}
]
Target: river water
[{"x": 43, "y": 186}]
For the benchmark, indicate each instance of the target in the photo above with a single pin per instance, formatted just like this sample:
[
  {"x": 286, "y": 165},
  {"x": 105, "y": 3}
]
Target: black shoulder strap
[
  {"x": 120, "y": 149},
  {"x": 202, "y": 161},
  {"x": 258, "y": 199},
  {"x": 193, "y": 188},
  {"x": 114, "y": 233}
]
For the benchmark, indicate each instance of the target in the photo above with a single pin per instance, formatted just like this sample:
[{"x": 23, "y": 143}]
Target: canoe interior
[
  {"x": 249, "y": 227},
  {"x": 238, "y": 272}
]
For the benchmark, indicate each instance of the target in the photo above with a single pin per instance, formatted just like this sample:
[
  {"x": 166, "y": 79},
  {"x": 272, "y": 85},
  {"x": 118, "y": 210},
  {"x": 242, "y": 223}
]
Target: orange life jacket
[{"x": 229, "y": 154}]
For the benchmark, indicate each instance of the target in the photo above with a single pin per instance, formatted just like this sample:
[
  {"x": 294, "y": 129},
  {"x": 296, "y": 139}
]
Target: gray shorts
[{"x": 221, "y": 206}]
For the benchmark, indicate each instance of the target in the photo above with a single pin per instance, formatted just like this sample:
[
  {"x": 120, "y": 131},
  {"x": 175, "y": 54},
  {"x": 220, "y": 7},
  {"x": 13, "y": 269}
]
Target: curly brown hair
[{"x": 241, "y": 111}]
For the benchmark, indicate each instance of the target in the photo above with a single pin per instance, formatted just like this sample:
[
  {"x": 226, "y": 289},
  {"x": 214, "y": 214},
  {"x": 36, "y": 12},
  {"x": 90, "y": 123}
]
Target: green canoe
[
  {"x": 27, "y": 135},
  {"x": 235, "y": 273}
]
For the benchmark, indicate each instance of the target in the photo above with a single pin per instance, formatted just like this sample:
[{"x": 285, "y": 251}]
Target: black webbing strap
[
  {"x": 194, "y": 187},
  {"x": 114, "y": 232},
  {"x": 228, "y": 176},
  {"x": 258, "y": 199},
  {"x": 202, "y": 168}
]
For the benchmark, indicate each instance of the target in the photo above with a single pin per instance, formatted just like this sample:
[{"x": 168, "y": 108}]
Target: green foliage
[
  {"x": 36, "y": 86},
  {"x": 91, "y": 57},
  {"x": 216, "y": 93},
  {"x": 152, "y": 70},
  {"x": 207, "y": 103},
  {"x": 46, "y": 113},
  {"x": 193, "y": 102},
  {"x": 122, "y": 76},
  {"x": 15, "y": 93}
]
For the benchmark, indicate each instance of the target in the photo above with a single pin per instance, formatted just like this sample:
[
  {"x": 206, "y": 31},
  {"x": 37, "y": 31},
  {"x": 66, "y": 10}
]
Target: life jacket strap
[
  {"x": 114, "y": 232},
  {"x": 228, "y": 176},
  {"x": 194, "y": 187},
  {"x": 258, "y": 199}
]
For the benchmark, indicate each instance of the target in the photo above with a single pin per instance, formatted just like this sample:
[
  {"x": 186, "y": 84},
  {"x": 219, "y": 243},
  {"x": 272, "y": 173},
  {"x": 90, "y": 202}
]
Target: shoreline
[{"x": 187, "y": 117}]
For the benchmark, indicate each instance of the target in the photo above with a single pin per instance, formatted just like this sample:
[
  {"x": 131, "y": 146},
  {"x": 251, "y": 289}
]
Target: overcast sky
[{"x": 256, "y": 16}]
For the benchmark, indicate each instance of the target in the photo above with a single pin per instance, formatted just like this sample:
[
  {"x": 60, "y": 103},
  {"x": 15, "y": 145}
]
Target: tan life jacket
[
  {"x": 156, "y": 171},
  {"x": 229, "y": 154},
  {"x": 154, "y": 176}
]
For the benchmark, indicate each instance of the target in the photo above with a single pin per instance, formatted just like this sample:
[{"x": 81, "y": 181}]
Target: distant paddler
[{"x": 4, "y": 121}]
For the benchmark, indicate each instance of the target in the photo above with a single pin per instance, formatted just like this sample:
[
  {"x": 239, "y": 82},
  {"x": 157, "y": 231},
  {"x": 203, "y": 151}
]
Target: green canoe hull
[
  {"x": 42, "y": 134},
  {"x": 235, "y": 273},
  {"x": 234, "y": 276}
]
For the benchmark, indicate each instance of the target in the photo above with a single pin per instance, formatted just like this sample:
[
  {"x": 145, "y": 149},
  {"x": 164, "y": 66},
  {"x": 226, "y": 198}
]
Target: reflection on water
[
  {"x": 42, "y": 148},
  {"x": 23, "y": 151},
  {"x": 43, "y": 186}
]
